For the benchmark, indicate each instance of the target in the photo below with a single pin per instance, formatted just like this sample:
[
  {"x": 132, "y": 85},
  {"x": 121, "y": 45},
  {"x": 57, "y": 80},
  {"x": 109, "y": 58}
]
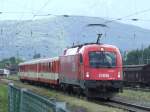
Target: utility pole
[
  {"x": 17, "y": 56},
  {"x": 134, "y": 35},
  {"x": 31, "y": 33},
  {"x": 1, "y": 31},
  {"x": 142, "y": 61}
]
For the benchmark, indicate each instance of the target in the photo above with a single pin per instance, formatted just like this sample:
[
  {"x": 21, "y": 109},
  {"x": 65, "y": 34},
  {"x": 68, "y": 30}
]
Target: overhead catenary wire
[
  {"x": 130, "y": 15},
  {"x": 48, "y": 14},
  {"x": 34, "y": 15},
  {"x": 22, "y": 13},
  {"x": 46, "y": 3},
  {"x": 21, "y": 16},
  {"x": 43, "y": 6},
  {"x": 109, "y": 21}
]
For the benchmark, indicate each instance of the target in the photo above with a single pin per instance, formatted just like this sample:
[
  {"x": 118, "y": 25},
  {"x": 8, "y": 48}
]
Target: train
[
  {"x": 136, "y": 75},
  {"x": 92, "y": 69},
  {"x": 4, "y": 73}
]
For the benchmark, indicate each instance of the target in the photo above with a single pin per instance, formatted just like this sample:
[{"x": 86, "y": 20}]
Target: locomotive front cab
[
  {"x": 102, "y": 68},
  {"x": 103, "y": 65}
]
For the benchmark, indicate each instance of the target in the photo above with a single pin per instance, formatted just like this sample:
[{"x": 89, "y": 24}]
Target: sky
[{"x": 109, "y": 9}]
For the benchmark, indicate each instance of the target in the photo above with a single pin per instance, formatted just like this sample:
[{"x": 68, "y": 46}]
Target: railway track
[
  {"x": 127, "y": 106},
  {"x": 117, "y": 103},
  {"x": 138, "y": 89}
]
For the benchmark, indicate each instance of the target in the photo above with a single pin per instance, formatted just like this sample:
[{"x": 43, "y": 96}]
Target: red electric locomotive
[{"x": 95, "y": 69}]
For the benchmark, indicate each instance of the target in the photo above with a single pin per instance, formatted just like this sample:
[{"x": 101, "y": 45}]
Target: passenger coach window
[{"x": 102, "y": 59}]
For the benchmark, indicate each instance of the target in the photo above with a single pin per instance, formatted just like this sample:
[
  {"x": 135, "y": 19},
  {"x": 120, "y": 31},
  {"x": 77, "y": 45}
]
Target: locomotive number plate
[{"x": 103, "y": 75}]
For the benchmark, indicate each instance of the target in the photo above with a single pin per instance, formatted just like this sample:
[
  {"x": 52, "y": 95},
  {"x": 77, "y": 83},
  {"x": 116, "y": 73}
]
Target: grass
[
  {"x": 136, "y": 95},
  {"x": 73, "y": 103},
  {"x": 13, "y": 77},
  {"x": 76, "y": 104},
  {"x": 3, "y": 98}
]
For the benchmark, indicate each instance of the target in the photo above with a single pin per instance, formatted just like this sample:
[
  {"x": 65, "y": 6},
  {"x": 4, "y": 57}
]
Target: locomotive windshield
[{"x": 98, "y": 59}]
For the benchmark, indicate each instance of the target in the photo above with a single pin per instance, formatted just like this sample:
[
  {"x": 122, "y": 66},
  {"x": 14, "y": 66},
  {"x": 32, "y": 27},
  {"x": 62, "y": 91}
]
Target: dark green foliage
[
  {"x": 136, "y": 57},
  {"x": 10, "y": 61},
  {"x": 38, "y": 55}
]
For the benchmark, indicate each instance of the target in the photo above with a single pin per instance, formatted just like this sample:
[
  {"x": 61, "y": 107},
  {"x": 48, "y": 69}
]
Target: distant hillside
[{"x": 50, "y": 36}]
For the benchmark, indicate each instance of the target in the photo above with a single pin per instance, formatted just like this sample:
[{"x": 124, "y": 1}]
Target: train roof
[
  {"x": 79, "y": 48},
  {"x": 85, "y": 44},
  {"x": 40, "y": 60},
  {"x": 102, "y": 45},
  {"x": 93, "y": 44}
]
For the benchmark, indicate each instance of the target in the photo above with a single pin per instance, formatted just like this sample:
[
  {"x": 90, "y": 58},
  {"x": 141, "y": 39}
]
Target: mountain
[{"x": 50, "y": 36}]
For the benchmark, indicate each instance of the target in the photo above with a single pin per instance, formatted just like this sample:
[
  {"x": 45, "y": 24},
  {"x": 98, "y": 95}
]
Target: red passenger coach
[
  {"x": 95, "y": 69},
  {"x": 40, "y": 70}
]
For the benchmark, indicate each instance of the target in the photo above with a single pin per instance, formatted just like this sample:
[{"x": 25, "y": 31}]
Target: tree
[
  {"x": 12, "y": 61},
  {"x": 38, "y": 55},
  {"x": 138, "y": 56}
]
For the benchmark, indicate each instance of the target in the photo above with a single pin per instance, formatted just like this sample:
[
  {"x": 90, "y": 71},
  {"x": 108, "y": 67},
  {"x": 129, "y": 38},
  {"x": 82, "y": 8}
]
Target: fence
[{"x": 23, "y": 100}]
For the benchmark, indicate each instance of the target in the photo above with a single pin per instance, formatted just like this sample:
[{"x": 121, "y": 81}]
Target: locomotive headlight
[
  {"x": 87, "y": 74},
  {"x": 102, "y": 49},
  {"x": 119, "y": 74}
]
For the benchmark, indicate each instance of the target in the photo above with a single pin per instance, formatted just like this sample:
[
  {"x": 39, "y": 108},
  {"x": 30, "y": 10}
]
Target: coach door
[{"x": 81, "y": 67}]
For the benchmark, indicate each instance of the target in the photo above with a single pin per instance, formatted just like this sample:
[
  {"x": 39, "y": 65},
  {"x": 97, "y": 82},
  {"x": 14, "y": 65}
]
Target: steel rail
[{"x": 128, "y": 106}]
